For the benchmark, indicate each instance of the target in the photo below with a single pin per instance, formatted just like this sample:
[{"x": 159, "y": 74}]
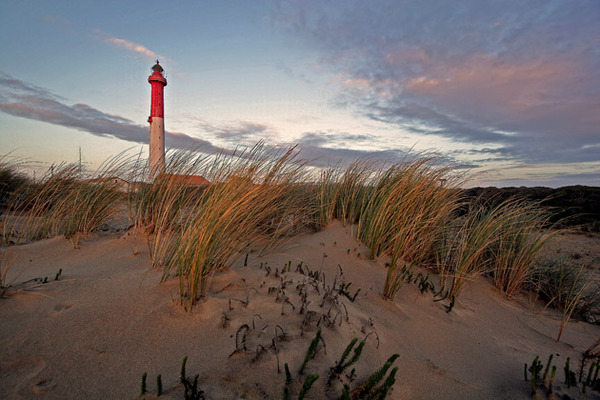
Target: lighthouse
[{"x": 157, "y": 120}]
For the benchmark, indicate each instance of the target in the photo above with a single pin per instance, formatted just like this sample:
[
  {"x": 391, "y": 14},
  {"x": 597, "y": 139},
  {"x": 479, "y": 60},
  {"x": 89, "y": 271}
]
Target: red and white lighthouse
[{"x": 157, "y": 120}]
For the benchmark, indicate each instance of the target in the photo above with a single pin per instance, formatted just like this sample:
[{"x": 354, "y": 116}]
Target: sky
[{"x": 507, "y": 92}]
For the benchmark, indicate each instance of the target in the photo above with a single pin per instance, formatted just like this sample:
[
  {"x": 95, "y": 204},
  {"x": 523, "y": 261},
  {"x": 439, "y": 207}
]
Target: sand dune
[{"x": 107, "y": 320}]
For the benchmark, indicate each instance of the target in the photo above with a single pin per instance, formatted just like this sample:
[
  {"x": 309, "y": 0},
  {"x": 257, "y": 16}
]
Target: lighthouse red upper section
[{"x": 158, "y": 82}]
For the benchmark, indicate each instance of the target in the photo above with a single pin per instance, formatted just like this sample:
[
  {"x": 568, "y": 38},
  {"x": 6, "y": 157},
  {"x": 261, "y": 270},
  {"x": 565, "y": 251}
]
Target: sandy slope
[{"x": 107, "y": 320}]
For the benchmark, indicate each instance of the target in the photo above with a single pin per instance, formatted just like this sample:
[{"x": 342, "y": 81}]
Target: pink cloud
[
  {"x": 499, "y": 78},
  {"x": 362, "y": 86},
  {"x": 500, "y": 90},
  {"x": 143, "y": 51},
  {"x": 134, "y": 47}
]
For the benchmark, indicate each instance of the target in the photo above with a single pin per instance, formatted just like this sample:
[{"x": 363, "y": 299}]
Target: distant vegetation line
[{"x": 570, "y": 206}]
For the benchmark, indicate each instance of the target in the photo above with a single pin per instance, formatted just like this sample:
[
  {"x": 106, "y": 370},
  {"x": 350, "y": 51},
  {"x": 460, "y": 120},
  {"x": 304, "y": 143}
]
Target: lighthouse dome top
[
  {"x": 157, "y": 76},
  {"x": 157, "y": 67}
]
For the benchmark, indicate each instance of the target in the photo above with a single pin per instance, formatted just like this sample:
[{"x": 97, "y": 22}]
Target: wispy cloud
[
  {"x": 25, "y": 100},
  {"x": 342, "y": 148},
  {"x": 140, "y": 50},
  {"x": 134, "y": 47},
  {"x": 321, "y": 150},
  {"x": 235, "y": 132}
]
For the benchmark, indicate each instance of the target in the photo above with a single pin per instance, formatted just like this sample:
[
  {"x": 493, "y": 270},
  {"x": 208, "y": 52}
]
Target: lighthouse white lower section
[{"x": 157, "y": 146}]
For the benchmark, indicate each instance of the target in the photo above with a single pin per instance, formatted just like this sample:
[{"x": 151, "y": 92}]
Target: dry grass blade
[
  {"x": 426, "y": 212},
  {"x": 402, "y": 210},
  {"x": 88, "y": 201},
  {"x": 501, "y": 240},
  {"x": 576, "y": 292},
  {"x": 253, "y": 195},
  {"x": 67, "y": 201},
  {"x": 469, "y": 247},
  {"x": 521, "y": 242},
  {"x": 343, "y": 192},
  {"x": 14, "y": 190},
  {"x": 159, "y": 207}
]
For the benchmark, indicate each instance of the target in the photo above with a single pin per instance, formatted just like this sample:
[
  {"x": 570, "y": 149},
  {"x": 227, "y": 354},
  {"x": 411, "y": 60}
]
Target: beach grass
[
  {"x": 14, "y": 186},
  {"x": 567, "y": 286},
  {"x": 502, "y": 240},
  {"x": 157, "y": 206},
  {"x": 343, "y": 192},
  {"x": 522, "y": 237},
  {"x": 399, "y": 209},
  {"x": 70, "y": 202},
  {"x": 412, "y": 211},
  {"x": 254, "y": 197}
]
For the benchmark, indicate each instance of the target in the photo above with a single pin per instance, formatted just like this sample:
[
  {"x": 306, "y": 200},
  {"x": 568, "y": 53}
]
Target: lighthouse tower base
[{"x": 157, "y": 146}]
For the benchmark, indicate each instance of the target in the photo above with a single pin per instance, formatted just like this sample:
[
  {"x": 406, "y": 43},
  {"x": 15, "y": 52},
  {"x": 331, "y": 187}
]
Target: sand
[{"x": 107, "y": 320}]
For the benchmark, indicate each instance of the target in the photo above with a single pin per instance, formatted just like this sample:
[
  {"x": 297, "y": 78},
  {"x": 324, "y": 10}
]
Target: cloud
[
  {"x": 321, "y": 156},
  {"x": 520, "y": 75},
  {"x": 142, "y": 51},
  {"x": 532, "y": 176},
  {"x": 134, "y": 47},
  {"x": 25, "y": 100},
  {"x": 319, "y": 148},
  {"x": 331, "y": 148},
  {"x": 131, "y": 47},
  {"x": 238, "y": 132}
]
